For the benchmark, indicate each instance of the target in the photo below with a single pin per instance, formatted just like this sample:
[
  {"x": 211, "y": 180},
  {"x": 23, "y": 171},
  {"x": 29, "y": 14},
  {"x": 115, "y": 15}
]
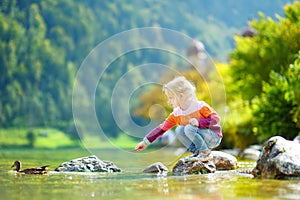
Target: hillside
[{"x": 43, "y": 43}]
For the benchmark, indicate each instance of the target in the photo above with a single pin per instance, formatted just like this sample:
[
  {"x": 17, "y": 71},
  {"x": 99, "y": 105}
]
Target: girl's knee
[
  {"x": 179, "y": 130},
  {"x": 190, "y": 130}
]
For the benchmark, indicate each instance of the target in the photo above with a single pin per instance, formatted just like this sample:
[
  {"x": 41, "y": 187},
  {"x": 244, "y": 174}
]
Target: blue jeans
[{"x": 194, "y": 138}]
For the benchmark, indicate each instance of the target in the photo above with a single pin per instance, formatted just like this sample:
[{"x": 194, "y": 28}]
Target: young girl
[{"x": 198, "y": 124}]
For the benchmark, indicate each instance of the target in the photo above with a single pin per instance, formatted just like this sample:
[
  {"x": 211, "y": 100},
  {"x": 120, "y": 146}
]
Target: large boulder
[
  {"x": 279, "y": 159},
  {"x": 87, "y": 164}
]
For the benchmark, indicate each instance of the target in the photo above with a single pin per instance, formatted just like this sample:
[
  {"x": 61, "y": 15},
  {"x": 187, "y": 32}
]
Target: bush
[{"x": 277, "y": 111}]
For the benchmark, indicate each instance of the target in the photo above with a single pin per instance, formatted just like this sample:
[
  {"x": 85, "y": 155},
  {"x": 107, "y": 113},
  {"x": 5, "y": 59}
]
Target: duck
[{"x": 37, "y": 170}]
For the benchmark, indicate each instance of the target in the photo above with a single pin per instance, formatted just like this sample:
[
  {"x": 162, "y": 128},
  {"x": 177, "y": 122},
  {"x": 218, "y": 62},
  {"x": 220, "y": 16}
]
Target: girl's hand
[
  {"x": 140, "y": 146},
  {"x": 194, "y": 122}
]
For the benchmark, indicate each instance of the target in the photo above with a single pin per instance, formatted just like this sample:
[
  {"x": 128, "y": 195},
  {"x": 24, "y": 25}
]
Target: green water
[{"x": 131, "y": 183}]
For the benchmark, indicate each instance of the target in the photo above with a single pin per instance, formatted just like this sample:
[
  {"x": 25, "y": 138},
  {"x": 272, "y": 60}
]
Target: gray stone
[
  {"x": 279, "y": 159},
  {"x": 157, "y": 167},
  {"x": 87, "y": 164}
]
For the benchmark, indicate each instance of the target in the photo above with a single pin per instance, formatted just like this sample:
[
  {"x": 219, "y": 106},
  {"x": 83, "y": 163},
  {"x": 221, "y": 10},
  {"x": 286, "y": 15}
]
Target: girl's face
[{"x": 172, "y": 99}]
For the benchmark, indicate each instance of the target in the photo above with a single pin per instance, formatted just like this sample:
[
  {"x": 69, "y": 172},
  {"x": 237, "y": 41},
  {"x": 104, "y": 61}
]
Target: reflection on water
[{"x": 131, "y": 183}]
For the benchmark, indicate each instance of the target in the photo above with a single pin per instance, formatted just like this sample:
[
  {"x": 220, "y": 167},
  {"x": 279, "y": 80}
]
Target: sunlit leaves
[
  {"x": 265, "y": 74},
  {"x": 278, "y": 108},
  {"x": 271, "y": 49}
]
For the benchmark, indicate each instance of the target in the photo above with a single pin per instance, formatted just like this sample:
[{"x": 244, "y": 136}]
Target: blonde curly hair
[{"x": 181, "y": 86}]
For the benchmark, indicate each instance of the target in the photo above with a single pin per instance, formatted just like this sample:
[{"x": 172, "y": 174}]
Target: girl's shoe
[
  {"x": 195, "y": 154},
  {"x": 205, "y": 156}
]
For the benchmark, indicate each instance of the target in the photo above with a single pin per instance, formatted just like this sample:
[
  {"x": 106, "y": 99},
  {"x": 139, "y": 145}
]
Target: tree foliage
[
  {"x": 277, "y": 110},
  {"x": 43, "y": 43},
  {"x": 264, "y": 77},
  {"x": 271, "y": 49}
]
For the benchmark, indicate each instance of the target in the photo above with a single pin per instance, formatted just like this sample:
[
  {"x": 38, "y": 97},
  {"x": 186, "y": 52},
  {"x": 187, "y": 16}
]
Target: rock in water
[
  {"x": 87, "y": 164},
  {"x": 158, "y": 168},
  {"x": 217, "y": 161},
  {"x": 279, "y": 159},
  {"x": 193, "y": 166},
  {"x": 224, "y": 161}
]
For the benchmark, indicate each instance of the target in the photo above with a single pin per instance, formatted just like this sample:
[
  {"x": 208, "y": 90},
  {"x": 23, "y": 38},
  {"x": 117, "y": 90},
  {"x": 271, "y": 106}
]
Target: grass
[
  {"x": 123, "y": 141},
  {"x": 42, "y": 138},
  {"x": 50, "y": 138}
]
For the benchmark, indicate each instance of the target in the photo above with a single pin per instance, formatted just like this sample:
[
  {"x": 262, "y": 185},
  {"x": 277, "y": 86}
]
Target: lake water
[{"x": 131, "y": 183}]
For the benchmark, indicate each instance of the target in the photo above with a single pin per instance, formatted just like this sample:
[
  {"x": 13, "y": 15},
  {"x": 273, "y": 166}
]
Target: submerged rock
[
  {"x": 87, "y": 164},
  {"x": 157, "y": 167},
  {"x": 279, "y": 159}
]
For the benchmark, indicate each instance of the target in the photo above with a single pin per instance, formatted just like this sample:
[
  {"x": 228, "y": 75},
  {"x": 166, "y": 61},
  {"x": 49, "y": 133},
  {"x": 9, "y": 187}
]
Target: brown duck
[{"x": 37, "y": 170}]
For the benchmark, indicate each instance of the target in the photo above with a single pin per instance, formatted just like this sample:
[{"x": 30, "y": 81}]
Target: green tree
[
  {"x": 31, "y": 137},
  {"x": 271, "y": 48},
  {"x": 42, "y": 44},
  {"x": 278, "y": 109},
  {"x": 257, "y": 94}
]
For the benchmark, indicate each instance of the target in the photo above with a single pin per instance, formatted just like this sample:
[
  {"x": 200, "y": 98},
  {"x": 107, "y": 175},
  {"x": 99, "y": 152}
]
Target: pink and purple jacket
[{"x": 206, "y": 116}]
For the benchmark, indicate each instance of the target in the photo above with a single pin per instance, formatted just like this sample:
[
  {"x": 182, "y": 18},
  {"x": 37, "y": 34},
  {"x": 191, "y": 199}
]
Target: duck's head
[{"x": 16, "y": 165}]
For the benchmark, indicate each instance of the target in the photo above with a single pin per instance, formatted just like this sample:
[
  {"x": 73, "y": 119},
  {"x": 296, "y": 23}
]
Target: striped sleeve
[
  {"x": 154, "y": 134},
  {"x": 169, "y": 123}
]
